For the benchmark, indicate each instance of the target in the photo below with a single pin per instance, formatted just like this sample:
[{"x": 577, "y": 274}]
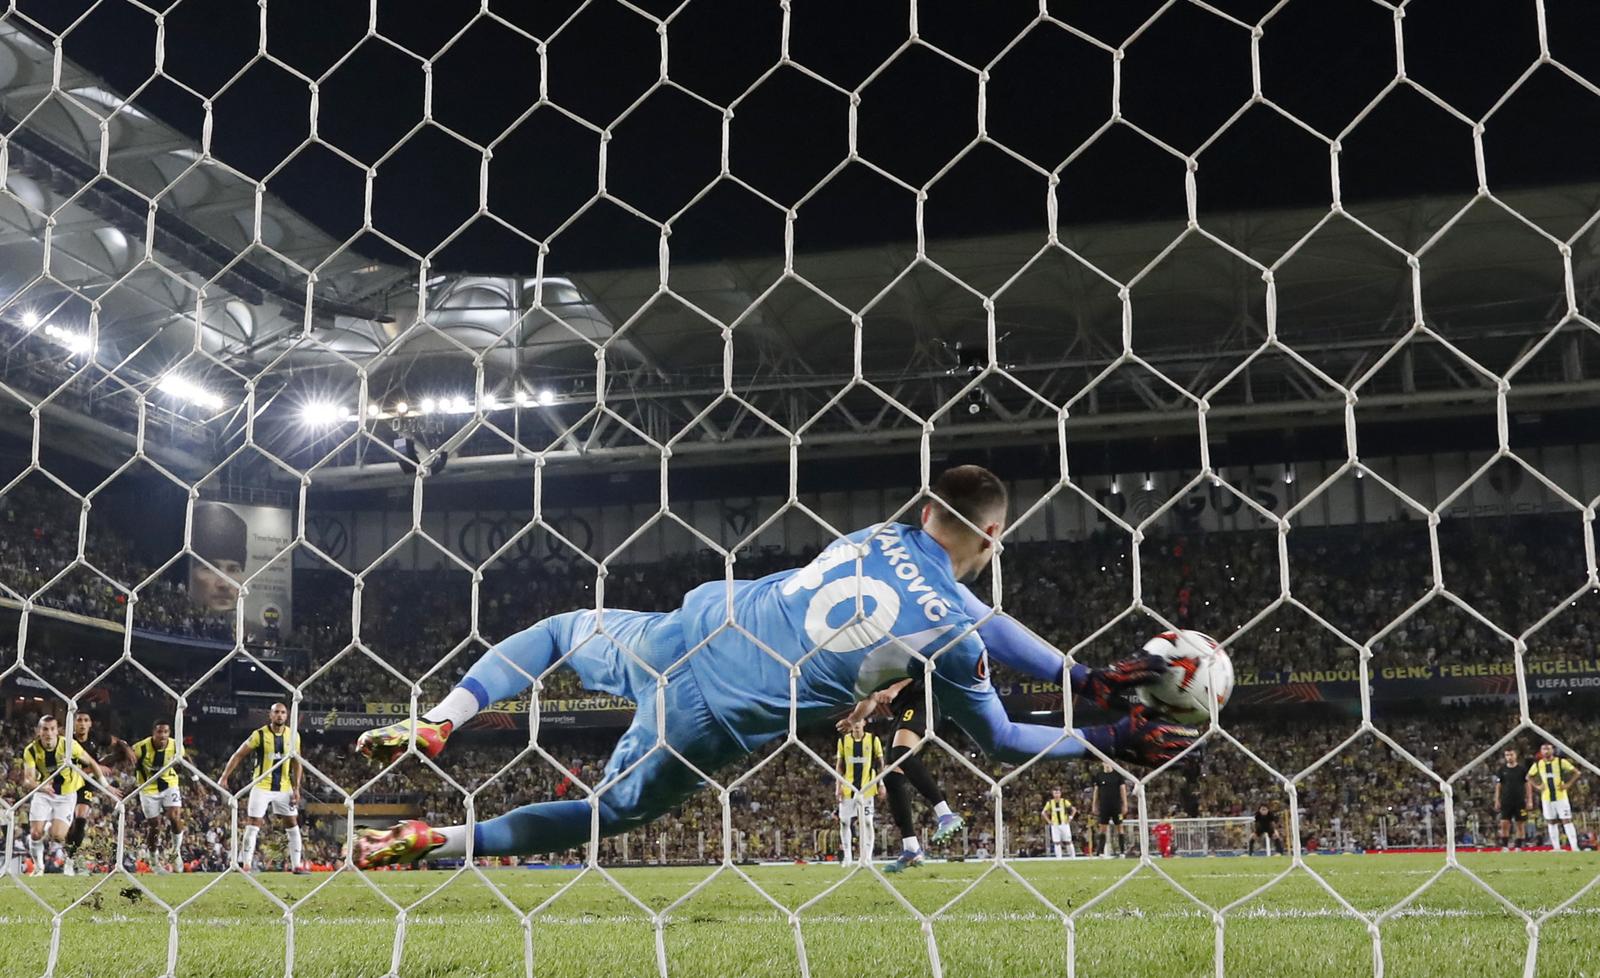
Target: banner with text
[
  {"x": 1287, "y": 687},
  {"x": 233, "y": 542}
]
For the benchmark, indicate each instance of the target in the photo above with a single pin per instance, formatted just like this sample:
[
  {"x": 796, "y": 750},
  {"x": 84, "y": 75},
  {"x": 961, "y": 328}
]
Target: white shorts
[
  {"x": 153, "y": 805},
  {"x": 281, "y": 802},
  {"x": 52, "y": 808},
  {"x": 848, "y": 807},
  {"x": 1060, "y": 833},
  {"x": 1558, "y": 811}
]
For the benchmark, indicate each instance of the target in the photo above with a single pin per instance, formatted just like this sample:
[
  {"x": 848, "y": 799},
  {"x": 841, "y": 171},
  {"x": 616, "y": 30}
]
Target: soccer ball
[{"x": 1199, "y": 677}]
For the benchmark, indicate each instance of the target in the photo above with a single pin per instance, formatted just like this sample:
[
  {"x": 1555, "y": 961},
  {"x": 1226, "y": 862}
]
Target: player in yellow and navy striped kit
[
  {"x": 1058, "y": 813},
  {"x": 858, "y": 758},
  {"x": 1553, "y": 777},
  {"x": 52, "y": 774},
  {"x": 154, "y": 768},
  {"x": 276, "y": 751}
]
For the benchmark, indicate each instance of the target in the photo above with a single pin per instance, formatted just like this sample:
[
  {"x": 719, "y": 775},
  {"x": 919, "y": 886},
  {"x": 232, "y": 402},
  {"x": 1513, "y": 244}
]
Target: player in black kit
[
  {"x": 1508, "y": 798},
  {"x": 907, "y": 704},
  {"x": 106, "y": 748},
  {"x": 1110, "y": 804}
]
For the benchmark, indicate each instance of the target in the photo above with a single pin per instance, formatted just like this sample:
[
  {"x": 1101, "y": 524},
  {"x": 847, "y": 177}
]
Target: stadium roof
[{"x": 184, "y": 265}]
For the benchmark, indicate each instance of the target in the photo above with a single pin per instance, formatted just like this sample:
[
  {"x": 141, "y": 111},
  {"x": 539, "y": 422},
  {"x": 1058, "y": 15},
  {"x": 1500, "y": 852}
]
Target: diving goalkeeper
[{"x": 878, "y": 606}]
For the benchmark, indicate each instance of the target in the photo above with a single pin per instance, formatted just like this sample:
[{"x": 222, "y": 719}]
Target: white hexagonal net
[{"x": 172, "y": 306}]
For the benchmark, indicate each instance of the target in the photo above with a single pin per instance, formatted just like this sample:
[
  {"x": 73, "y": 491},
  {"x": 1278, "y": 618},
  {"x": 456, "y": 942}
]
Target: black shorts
[
  {"x": 1109, "y": 818},
  {"x": 909, "y": 710},
  {"x": 86, "y": 796},
  {"x": 1511, "y": 813},
  {"x": 1269, "y": 829}
]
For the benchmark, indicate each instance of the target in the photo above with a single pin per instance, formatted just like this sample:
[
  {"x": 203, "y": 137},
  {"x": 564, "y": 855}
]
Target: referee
[
  {"x": 1110, "y": 803},
  {"x": 1508, "y": 797}
]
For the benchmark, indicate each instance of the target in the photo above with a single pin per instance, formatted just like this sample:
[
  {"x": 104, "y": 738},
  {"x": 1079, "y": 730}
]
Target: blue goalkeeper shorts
[{"x": 624, "y": 653}]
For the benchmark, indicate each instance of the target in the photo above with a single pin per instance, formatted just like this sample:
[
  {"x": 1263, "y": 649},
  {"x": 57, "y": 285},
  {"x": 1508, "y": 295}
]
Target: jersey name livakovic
[{"x": 866, "y": 612}]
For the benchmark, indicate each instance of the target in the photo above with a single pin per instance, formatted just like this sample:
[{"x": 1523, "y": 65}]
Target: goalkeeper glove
[
  {"x": 1141, "y": 737},
  {"x": 1110, "y": 687}
]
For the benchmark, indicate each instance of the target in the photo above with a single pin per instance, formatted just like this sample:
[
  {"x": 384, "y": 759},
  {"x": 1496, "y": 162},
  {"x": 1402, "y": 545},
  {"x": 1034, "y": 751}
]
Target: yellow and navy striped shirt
[
  {"x": 1552, "y": 777},
  {"x": 45, "y": 760},
  {"x": 1058, "y": 811},
  {"x": 272, "y": 751},
  {"x": 858, "y": 761},
  {"x": 148, "y": 759}
]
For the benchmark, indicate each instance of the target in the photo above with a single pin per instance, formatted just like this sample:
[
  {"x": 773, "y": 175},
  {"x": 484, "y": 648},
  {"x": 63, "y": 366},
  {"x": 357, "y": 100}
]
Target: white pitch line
[{"x": 776, "y": 919}]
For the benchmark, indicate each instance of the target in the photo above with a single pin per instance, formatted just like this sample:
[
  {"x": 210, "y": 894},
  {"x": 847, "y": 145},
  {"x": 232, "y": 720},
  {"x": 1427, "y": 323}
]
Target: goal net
[{"x": 341, "y": 346}]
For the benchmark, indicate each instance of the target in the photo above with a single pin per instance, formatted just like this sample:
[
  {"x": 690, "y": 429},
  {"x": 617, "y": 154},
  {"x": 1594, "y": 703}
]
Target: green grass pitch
[{"x": 457, "y": 926}]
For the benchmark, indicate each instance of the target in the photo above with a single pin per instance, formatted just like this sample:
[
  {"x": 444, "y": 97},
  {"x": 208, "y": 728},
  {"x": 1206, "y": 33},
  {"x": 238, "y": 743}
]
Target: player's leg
[
  {"x": 900, "y": 810},
  {"x": 255, "y": 817},
  {"x": 866, "y": 810},
  {"x": 641, "y": 783},
  {"x": 79, "y": 826},
  {"x": 909, "y": 710},
  {"x": 174, "y": 814},
  {"x": 60, "y": 825},
  {"x": 38, "y": 822},
  {"x": 150, "y": 808},
  {"x": 906, "y": 770},
  {"x": 283, "y": 807},
  {"x": 588, "y": 639},
  {"x": 1552, "y": 819},
  {"x": 1564, "y": 816},
  {"x": 847, "y": 815},
  {"x": 291, "y": 830}
]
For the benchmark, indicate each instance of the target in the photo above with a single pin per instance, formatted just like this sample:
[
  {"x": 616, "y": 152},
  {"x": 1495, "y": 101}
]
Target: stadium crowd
[
  {"x": 1357, "y": 578},
  {"x": 39, "y": 540},
  {"x": 1366, "y": 796}
]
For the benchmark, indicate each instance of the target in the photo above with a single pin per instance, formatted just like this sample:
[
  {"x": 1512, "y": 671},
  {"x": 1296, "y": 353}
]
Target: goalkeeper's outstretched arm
[
  {"x": 1136, "y": 737},
  {"x": 1013, "y": 646}
]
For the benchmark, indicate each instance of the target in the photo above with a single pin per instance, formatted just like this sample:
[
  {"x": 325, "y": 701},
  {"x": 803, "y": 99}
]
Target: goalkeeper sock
[
  {"x": 1572, "y": 836},
  {"x": 458, "y": 706},
  {"x": 296, "y": 846},
  {"x": 911, "y": 844},
  {"x": 454, "y": 845},
  {"x": 912, "y": 767},
  {"x": 249, "y": 853},
  {"x": 942, "y": 809}
]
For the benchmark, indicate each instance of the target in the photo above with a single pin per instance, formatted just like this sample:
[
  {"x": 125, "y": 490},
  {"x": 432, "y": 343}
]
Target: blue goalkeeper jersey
[{"x": 870, "y": 605}]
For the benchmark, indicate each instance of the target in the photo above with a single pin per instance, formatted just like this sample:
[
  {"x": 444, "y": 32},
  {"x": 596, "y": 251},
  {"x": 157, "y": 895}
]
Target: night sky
[{"x": 1322, "y": 60}]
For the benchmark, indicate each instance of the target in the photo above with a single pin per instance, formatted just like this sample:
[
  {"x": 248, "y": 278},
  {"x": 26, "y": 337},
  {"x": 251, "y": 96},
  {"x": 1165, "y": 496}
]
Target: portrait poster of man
[{"x": 232, "y": 542}]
